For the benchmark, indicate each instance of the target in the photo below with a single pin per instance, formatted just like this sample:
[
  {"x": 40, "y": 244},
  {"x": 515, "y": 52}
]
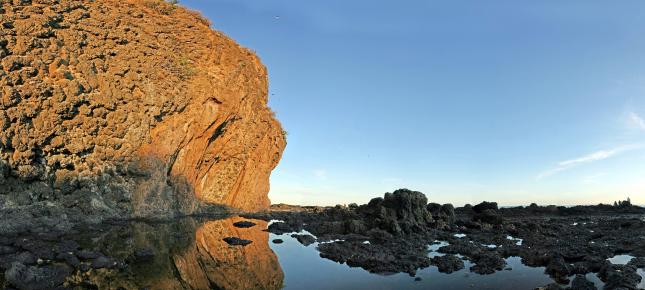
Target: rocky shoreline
[
  {"x": 392, "y": 234},
  {"x": 399, "y": 233}
]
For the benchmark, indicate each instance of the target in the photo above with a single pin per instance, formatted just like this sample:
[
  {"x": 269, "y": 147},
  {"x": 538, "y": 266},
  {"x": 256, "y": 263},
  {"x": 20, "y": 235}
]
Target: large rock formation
[{"x": 128, "y": 109}]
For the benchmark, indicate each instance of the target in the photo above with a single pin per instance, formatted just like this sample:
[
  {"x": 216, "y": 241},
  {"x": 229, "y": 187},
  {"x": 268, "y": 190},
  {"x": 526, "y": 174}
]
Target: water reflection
[
  {"x": 212, "y": 262},
  {"x": 184, "y": 255},
  {"x": 190, "y": 254}
]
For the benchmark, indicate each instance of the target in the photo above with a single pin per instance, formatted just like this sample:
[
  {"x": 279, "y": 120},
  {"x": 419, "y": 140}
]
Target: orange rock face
[{"x": 130, "y": 108}]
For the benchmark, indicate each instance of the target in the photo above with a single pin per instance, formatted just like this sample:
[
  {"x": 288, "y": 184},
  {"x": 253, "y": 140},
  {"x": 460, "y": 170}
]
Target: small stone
[{"x": 278, "y": 241}]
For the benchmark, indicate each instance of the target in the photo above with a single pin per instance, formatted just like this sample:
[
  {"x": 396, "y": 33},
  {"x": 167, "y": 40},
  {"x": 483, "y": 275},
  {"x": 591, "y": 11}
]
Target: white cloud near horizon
[
  {"x": 637, "y": 121},
  {"x": 596, "y": 156}
]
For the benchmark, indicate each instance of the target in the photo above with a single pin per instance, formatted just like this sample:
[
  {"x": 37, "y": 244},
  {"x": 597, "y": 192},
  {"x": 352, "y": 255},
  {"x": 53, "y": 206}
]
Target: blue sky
[{"x": 513, "y": 101}]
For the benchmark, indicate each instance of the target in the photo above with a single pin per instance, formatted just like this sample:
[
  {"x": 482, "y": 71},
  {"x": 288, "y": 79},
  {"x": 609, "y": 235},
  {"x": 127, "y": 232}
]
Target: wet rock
[
  {"x": 280, "y": 228},
  {"x": 26, "y": 258},
  {"x": 484, "y": 206},
  {"x": 234, "y": 241},
  {"x": 638, "y": 262},
  {"x": 400, "y": 212},
  {"x": 489, "y": 216},
  {"x": 30, "y": 277},
  {"x": 88, "y": 255},
  {"x": 620, "y": 276},
  {"x": 448, "y": 263},
  {"x": 581, "y": 283},
  {"x": 487, "y": 212},
  {"x": 66, "y": 246},
  {"x": 552, "y": 286},
  {"x": 143, "y": 255},
  {"x": 487, "y": 263},
  {"x": 68, "y": 258},
  {"x": 39, "y": 248},
  {"x": 244, "y": 224},
  {"x": 103, "y": 262},
  {"x": 304, "y": 239},
  {"x": 389, "y": 256},
  {"x": 278, "y": 241},
  {"x": 7, "y": 250},
  {"x": 558, "y": 269}
]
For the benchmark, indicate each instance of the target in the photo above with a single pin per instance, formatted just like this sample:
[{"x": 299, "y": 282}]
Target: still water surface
[{"x": 191, "y": 254}]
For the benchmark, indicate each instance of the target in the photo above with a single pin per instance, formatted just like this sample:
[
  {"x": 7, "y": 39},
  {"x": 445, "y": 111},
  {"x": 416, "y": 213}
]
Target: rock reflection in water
[
  {"x": 212, "y": 262},
  {"x": 186, "y": 254}
]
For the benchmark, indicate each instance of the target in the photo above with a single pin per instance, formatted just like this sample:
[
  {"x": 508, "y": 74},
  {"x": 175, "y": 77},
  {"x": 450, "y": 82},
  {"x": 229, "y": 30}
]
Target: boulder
[
  {"x": 448, "y": 263},
  {"x": 399, "y": 212}
]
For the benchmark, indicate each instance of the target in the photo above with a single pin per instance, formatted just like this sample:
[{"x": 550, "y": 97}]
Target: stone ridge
[{"x": 128, "y": 109}]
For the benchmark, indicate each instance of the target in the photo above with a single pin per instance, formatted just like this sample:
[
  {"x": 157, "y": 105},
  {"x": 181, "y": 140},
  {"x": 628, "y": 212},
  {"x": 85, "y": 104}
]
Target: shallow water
[
  {"x": 191, "y": 254},
  {"x": 620, "y": 259},
  {"x": 304, "y": 269}
]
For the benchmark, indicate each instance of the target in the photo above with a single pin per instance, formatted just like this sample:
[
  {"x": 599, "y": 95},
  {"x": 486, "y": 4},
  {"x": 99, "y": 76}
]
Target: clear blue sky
[{"x": 514, "y": 101}]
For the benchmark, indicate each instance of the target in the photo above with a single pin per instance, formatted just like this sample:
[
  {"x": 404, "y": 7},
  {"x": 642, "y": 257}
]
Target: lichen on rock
[{"x": 119, "y": 109}]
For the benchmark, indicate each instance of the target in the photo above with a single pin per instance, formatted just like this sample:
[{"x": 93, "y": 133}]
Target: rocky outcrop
[{"x": 113, "y": 109}]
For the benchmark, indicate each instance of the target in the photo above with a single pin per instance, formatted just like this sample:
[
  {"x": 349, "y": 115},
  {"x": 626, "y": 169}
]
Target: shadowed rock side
[{"x": 113, "y": 109}]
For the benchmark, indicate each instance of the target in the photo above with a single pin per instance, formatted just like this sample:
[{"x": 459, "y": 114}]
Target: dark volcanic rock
[
  {"x": 244, "y": 224},
  {"x": 558, "y": 269},
  {"x": 620, "y": 276},
  {"x": 581, "y": 283},
  {"x": 7, "y": 250},
  {"x": 234, "y": 241},
  {"x": 488, "y": 263},
  {"x": 280, "y": 228},
  {"x": 400, "y": 212},
  {"x": 278, "y": 241},
  {"x": 103, "y": 262},
  {"x": 143, "y": 255},
  {"x": 88, "y": 255},
  {"x": 30, "y": 277},
  {"x": 304, "y": 239},
  {"x": 448, "y": 263},
  {"x": 68, "y": 258},
  {"x": 66, "y": 246},
  {"x": 388, "y": 256},
  {"x": 638, "y": 262}
]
